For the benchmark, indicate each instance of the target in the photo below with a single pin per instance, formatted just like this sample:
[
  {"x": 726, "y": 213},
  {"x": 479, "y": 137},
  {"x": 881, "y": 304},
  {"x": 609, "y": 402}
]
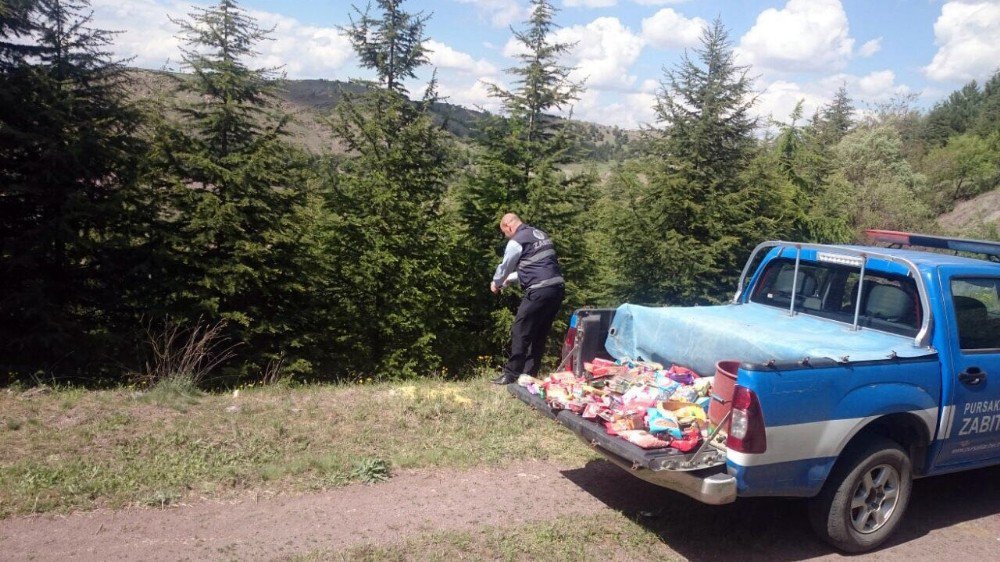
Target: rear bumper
[{"x": 703, "y": 478}]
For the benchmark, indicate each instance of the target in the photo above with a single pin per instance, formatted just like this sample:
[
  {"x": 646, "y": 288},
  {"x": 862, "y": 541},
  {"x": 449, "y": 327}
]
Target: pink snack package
[
  {"x": 643, "y": 439},
  {"x": 641, "y": 397},
  {"x": 592, "y": 410}
]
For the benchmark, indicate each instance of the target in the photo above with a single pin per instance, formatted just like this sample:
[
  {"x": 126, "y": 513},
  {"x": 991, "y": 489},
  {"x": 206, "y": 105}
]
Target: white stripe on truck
[{"x": 796, "y": 442}]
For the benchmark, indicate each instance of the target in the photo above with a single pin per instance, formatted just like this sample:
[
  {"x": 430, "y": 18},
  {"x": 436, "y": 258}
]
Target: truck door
[{"x": 974, "y": 433}]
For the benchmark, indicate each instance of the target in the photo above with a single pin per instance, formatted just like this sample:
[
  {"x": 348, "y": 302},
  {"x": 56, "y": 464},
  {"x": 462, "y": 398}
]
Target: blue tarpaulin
[{"x": 697, "y": 337}]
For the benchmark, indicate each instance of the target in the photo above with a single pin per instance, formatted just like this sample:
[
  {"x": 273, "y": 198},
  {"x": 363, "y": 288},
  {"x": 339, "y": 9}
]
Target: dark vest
[{"x": 538, "y": 266}]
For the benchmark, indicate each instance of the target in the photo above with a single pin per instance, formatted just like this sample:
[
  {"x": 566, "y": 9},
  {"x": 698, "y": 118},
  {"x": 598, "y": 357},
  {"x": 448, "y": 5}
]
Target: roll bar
[{"x": 923, "y": 337}]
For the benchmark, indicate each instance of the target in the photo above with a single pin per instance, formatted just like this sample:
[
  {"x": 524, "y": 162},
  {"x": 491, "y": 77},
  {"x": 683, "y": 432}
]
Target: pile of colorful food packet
[{"x": 639, "y": 401}]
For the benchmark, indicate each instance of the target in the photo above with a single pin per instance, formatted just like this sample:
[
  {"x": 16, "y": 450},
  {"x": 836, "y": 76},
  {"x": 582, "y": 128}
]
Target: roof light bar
[{"x": 985, "y": 247}]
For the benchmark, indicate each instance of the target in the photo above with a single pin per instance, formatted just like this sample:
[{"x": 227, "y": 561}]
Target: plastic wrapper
[
  {"x": 704, "y": 402},
  {"x": 641, "y": 397},
  {"x": 663, "y": 421},
  {"x": 644, "y": 439},
  {"x": 666, "y": 384},
  {"x": 685, "y": 394},
  {"x": 690, "y": 413},
  {"x": 533, "y": 385},
  {"x": 682, "y": 375},
  {"x": 592, "y": 410},
  {"x": 703, "y": 385},
  {"x": 688, "y": 442}
]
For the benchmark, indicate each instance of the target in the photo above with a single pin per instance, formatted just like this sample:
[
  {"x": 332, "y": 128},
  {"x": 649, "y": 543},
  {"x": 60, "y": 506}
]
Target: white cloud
[
  {"x": 444, "y": 57},
  {"x": 669, "y": 29},
  {"x": 876, "y": 86},
  {"x": 501, "y": 13},
  {"x": 968, "y": 39},
  {"x": 590, "y": 3},
  {"x": 473, "y": 95},
  {"x": 513, "y": 48},
  {"x": 605, "y": 51},
  {"x": 146, "y": 33},
  {"x": 649, "y": 86},
  {"x": 778, "y": 101},
  {"x": 805, "y": 35},
  {"x": 870, "y": 47},
  {"x": 306, "y": 51},
  {"x": 629, "y": 111}
]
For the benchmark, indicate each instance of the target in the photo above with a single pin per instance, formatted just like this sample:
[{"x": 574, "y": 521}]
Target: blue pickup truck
[{"x": 860, "y": 369}]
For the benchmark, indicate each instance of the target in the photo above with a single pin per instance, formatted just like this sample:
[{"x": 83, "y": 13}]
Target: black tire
[{"x": 856, "y": 514}]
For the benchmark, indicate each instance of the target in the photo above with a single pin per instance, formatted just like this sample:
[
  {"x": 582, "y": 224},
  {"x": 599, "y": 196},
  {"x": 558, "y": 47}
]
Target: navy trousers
[{"x": 531, "y": 328}]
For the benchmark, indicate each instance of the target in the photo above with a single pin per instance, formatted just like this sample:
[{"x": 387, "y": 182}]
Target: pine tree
[
  {"x": 542, "y": 84},
  {"x": 15, "y": 23},
  {"x": 238, "y": 224},
  {"x": 392, "y": 45},
  {"x": 68, "y": 210},
  {"x": 954, "y": 115},
  {"x": 987, "y": 122},
  {"x": 813, "y": 199},
  {"x": 393, "y": 247},
  {"x": 684, "y": 221},
  {"x": 519, "y": 170},
  {"x": 835, "y": 118}
]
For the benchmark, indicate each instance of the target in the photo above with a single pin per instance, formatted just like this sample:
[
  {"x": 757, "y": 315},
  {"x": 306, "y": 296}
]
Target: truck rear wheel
[{"x": 864, "y": 497}]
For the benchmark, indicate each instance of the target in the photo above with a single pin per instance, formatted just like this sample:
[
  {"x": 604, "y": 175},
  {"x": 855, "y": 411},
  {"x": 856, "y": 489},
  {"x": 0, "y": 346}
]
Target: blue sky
[{"x": 798, "y": 49}]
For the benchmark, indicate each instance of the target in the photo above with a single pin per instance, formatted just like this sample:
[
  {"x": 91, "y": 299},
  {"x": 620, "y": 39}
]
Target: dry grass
[{"x": 75, "y": 449}]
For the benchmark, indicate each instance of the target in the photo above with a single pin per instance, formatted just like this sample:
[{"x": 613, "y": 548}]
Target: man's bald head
[{"x": 509, "y": 224}]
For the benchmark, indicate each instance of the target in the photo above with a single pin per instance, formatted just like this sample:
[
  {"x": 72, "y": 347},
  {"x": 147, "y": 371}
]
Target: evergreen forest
[{"x": 190, "y": 230}]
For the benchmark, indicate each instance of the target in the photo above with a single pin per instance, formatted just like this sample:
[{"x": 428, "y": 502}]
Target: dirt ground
[{"x": 955, "y": 517}]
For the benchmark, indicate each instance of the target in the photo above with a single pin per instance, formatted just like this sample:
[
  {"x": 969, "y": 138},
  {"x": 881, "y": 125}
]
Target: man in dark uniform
[{"x": 530, "y": 260}]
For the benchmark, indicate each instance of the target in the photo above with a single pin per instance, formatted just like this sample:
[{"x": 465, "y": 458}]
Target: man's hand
[{"x": 494, "y": 288}]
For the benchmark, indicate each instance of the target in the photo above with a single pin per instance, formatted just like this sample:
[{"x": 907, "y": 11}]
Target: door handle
[{"x": 972, "y": 376}]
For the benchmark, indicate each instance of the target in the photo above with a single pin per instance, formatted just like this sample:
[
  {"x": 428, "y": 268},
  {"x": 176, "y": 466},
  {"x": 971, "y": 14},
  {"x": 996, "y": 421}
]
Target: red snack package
[
  {"x": 691, "y": 439},
  {"x": 603, "y": 368}
]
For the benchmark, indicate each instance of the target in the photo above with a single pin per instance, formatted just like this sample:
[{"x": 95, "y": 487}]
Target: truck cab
[{"x": 859, "y": 369}]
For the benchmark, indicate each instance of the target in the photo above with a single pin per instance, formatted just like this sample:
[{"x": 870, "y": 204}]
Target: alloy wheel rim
[{"x": 875, "y": 499}]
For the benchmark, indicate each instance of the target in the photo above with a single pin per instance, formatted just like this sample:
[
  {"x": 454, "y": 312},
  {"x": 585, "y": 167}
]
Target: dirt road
[{"x": 956, "y": 517}]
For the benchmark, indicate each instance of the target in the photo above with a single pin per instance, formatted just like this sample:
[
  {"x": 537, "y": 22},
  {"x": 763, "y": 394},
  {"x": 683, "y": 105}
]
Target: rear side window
[
  {"x": 775, "y": 286},
  {"x": 977, "y": 312},
  {"x": 888, "y": 303}
]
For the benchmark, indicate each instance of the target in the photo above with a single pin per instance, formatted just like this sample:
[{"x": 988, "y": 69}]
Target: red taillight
[
  {"x": 568, "y": 343},
  {"x": 746, "y": 423}
]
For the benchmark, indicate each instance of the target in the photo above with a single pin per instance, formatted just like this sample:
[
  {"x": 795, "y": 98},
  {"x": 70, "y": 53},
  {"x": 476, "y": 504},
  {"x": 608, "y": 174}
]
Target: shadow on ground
[{"x": 775, "y": 529}]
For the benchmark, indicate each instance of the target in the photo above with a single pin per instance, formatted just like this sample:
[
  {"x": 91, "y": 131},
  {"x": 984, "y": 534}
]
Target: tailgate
[{"x": 700, "y": 474}]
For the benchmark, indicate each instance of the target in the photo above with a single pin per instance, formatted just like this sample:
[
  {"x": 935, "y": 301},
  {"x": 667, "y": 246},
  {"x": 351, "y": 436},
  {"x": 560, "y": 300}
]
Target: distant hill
[
  {"x": 321, "y": 96},
  {"x": 313, "y": 100}
]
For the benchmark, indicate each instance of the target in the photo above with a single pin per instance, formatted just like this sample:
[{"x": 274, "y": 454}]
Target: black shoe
[{"x": 505, "y": 379}]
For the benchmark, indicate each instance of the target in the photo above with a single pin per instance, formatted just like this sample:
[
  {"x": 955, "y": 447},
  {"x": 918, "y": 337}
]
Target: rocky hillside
[{"x": 978, "y": 216}]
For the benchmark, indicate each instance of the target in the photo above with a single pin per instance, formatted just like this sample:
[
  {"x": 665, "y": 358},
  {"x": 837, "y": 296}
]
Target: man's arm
[{"x": 508, "y": 266}]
